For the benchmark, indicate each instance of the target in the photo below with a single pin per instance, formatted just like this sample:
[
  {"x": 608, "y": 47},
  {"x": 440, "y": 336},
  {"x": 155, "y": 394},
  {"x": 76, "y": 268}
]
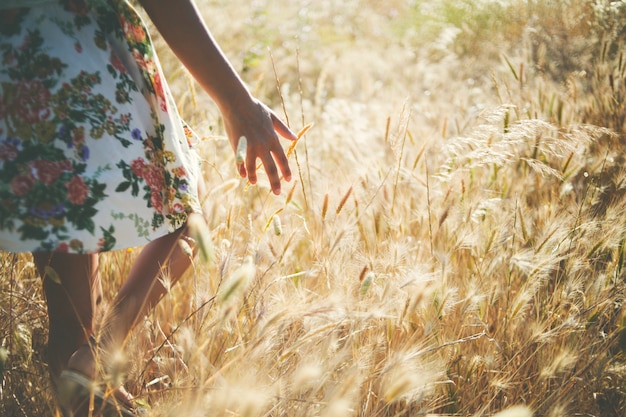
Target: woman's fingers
[
  {"x": 267, "y": 158},
  {"x": 282, "y": 129},
  {"x": 262, "y": 142},
  {"x": 283, "y": 163}
]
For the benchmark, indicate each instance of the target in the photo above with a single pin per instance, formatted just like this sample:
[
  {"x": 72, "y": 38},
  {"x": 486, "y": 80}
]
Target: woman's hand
[{"x": 261, "y": 127}]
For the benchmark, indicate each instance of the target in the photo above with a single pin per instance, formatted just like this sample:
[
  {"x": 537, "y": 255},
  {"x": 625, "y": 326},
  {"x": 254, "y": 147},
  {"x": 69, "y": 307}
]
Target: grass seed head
[
  {"x": 4, "y": 356},
  {"x": 306, "y": 377},
  {"x": 515, "y": 411},
  {"x": 117, "y": 367},
  {"x": 185, "y": 247},
  {"x": 52, "y": 274},
  {"x": 339, "y": 407},
  {"x": 398, "y": 386},
  {"x": 325, "y": 207},
  {"x": 278, "y": 228},
  {"x": 238, "y": 281},
  {"x": 343, "y": 201},
  {"x": 200, "y": 233}
]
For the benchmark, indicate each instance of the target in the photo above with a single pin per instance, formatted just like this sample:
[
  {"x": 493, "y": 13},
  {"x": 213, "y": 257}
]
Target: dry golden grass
[{"x": 452, "y": 243}]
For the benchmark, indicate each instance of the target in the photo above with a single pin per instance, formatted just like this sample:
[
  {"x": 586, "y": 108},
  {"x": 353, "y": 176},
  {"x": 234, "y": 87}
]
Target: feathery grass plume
[
  {"x": 405, "y": 381},
  {"x": 237, "y": 396},
  {"x": 306, "y": 377},
  {"x": 278, "y": 228},
  {"x": 185, "y": 247},
  {"x": 325, "y": 207},
  {"x": 224, "y": 187},
  {"x": 515, "y": 411},
  {"x": 4, "y": 356},
  {"x": 338, "y": 407},
  {"x": 274, "y": 221},
  {"x": 561, "y": 362},
  {"x": 250, "y": 400},
  {"x": 239, "y": 280},
  {"x": 52, "y": 274},
  {"x": 117, "y": 365},
  {"x": 199, "y": 232},
  {"x": 559, "y": 410}
]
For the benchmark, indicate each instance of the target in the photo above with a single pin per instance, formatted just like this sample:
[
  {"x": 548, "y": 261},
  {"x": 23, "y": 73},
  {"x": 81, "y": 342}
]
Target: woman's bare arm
[{"x": 184, "y": 30}]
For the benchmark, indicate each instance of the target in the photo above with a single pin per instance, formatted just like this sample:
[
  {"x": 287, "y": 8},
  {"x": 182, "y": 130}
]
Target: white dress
[{"x": 93, "y": 153}]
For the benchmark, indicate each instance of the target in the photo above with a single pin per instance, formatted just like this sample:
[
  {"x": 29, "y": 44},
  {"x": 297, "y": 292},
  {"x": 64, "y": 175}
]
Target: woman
[{"x": 94, "y": 157}]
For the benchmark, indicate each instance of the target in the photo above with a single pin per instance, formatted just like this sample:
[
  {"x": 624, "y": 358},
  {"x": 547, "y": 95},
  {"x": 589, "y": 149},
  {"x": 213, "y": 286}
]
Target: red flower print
[
  {"x": 77, "y": 190},
  {"x": 123, "y": 22},
  {"x": 138, "y": 32},
  {"x": 140, "y": 59},
  {"x": 22, "y": 184},
  {"x": 78, "y": 47},
  {"x": 159, "y": 91},
  {"x": 48, "y": 171},
  {"x": 8, "y": 152},
  {"x": 178, "y": 208},
  {"x": 154, "y": 178},
  {"x": 138, "y": 166},
  {"x": 31, "y": 103},
  {"x": 117, "y": 63},
  {"x": 65, "y": 165},
  {"x": 62, "y": 247},
  {"x": 156, "y": 201}
]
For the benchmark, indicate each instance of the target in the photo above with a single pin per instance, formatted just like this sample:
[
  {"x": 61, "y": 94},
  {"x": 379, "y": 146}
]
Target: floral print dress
[{"x": 93, "y": 154}]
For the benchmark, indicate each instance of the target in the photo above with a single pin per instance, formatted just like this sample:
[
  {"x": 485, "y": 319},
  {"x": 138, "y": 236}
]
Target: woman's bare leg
[
  {"x": 143, "y": 289},
  {"x": 161, "y": 259},
  {"x": 72, "y": 303}
]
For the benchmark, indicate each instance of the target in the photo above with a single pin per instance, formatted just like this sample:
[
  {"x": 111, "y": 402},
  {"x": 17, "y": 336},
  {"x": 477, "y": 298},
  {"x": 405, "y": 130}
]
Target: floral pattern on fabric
[{"x": 93, "y": 154}]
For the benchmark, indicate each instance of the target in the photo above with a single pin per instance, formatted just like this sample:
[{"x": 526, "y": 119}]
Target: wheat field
[{"x": 453, "y": 241}]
